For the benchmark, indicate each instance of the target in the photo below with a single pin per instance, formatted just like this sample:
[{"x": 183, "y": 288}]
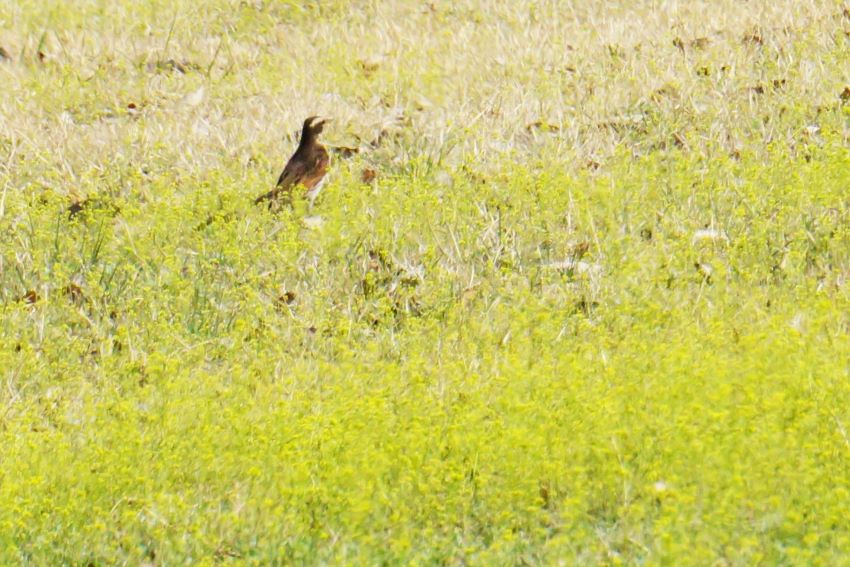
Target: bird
[{"x": 306, "y": 168}]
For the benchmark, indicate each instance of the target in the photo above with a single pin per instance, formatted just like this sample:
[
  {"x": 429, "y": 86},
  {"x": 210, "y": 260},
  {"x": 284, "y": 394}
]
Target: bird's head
[{"x": 313, "y": 126}]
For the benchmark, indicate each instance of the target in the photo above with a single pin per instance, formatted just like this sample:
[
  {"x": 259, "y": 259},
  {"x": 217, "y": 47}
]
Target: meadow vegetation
[{"x": 575, "y": 293}]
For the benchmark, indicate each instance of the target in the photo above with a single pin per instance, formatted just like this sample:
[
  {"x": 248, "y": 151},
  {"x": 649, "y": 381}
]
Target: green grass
[{"x": 593, "y": 310}]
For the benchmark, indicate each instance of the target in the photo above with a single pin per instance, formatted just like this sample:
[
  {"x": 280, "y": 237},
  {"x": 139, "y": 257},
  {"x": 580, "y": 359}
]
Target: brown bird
[{"x": 306, "y": 168}]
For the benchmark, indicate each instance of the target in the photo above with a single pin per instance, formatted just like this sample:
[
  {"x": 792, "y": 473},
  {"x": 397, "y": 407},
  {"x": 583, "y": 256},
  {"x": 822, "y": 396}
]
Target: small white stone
[
  {"x": 578, "y": 266},
  {"x": 711, "y": 234},
  {"x": 313, "y": 222},
  {"x": 194, "y": 98}
]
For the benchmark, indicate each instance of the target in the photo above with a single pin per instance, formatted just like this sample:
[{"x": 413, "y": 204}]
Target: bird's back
[{"x": 306, "y": 167}]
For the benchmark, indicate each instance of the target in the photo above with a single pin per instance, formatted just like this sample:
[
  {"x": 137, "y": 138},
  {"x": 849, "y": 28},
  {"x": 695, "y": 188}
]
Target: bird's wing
[
  {"x": 317, "y": 171},
  {"x": 293, "y": 174},
  {"x": 298, "y": 171}
]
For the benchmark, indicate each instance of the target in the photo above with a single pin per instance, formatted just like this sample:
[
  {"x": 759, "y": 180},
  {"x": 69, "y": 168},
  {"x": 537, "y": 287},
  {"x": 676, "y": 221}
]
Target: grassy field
[{"x": 592, "y": 309}]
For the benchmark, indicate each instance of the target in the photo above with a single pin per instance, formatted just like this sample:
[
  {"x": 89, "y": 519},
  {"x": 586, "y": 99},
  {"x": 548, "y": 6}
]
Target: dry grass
[{"x": 458, "y": 82}]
